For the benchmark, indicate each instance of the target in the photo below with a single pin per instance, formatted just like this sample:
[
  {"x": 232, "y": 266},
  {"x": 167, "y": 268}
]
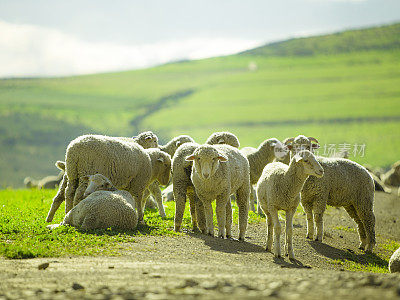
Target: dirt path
[{"x": 194, "y": 265}]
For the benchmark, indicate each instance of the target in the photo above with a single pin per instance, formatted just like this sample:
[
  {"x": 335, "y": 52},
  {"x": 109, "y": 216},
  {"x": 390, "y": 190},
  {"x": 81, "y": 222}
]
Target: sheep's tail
[{"x": 61, "y": 165}]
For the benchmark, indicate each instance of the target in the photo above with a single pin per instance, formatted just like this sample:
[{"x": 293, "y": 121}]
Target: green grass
[
  {"x": 347, "y": 91},
  {"x": 23, "y": 232}
]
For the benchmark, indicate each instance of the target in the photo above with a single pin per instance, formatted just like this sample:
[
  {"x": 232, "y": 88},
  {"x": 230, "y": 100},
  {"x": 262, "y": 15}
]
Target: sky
[{"x": 59, "y": 38}]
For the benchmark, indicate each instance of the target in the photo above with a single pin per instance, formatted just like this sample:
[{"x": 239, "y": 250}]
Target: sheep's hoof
[
  {"x": 309, "y": 237},
  {"x": 241, "y": 239},
  {"x": 228, "y": 236},
  {"x": 318, "y": 240},
  {"x": 278, "y": 256}
]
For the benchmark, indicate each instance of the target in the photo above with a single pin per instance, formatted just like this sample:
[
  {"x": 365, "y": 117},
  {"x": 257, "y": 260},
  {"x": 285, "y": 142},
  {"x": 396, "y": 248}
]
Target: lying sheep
[
  {"x": 394, "y": 262},
  {"x": 182, "y": 186},
  {"x": 258, "y": 159},
  {"x": 219, "y": 171},
  {"x": 279, "y": 189},
  {"x": 392, "y": 177},
  {"x": 104, "y": 206},
  {"x": 128, "y": 165},
  {"x": 223, "y": 138},
  {"x": 168, "y": 192},
  {"x": 48, "y": 182},
  {"x": 345, "y": 184}
]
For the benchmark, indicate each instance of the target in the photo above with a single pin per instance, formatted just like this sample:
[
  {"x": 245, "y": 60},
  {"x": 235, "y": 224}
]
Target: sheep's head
[
  {"x": 206, "y": 160},
  {"x": 310, "y": 164},
  {"x": 97, "y": 182},
  {"x": 147, "y": 140},
  {"x": 302, "y": 142},
  {"x": 223, "y": 138},
  {"x": 274, "y": 146},
  {"x": 161, "y": 165},
  {"x": 178, "y": 141},
  {"x": 396, "y": 167}
]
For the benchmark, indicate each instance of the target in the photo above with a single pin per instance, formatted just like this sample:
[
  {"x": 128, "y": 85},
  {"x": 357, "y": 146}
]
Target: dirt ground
[{"x": 198, "y": 266}]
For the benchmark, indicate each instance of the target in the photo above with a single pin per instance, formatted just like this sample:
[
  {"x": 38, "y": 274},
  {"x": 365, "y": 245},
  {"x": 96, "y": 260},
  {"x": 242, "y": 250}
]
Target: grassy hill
[{"x": 346, "y": 92}]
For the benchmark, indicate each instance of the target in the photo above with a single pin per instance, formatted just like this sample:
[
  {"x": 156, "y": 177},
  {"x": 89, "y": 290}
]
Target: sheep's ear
[
  {"x": 221, "y": 141},
  {"x": 190, "y": 157},
  {"x": 290, "y": 147},
  {"x": 222, "y": 158},
  {"x": 315, "y": 146},
  {"x": 160, "y": 159},
  {"x": 177, "y": 143},
  {"x": 148, "y": 137}
]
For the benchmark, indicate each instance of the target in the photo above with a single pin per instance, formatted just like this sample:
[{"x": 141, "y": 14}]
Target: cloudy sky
[{"x": 54, "y": 37}]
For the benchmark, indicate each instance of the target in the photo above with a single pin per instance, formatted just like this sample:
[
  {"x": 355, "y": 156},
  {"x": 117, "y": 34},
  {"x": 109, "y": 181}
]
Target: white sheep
[
  {"x": 258, "y": 159},
  {"x": 345, "y": 184},
  {"x": 48, "y": 182},
  {"x": 145, "y": 139},
  {"x": 219, "y": 171},
  {"x": 182, "y": 186},
  {"x": 104, "y": 206},
  {"x": 127, "y": 164},
  {"x": 279, "y": 189},
  {"x": 174, "y": 144},
  {"x": 394, "y": 262},
  {"x": 223, "y": 137}
]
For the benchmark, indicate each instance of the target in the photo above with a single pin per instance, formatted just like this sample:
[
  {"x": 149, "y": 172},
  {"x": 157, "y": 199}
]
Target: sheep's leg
[
  {"x": 243, "y": 204},
  {"x": 270, "y": 231},
  {"x": 228, "y": 224},
  {"x": 156, "y": 192},
  {"x": 72, "y": 185},
  {"x": 58, "y": 199},
  {"x": 368, "y": 218},
  {"x": 180, "y": 201},
  {"x": 361, "y": 230},
  {"x": 289, "y": 233},
  {"x": 319, "y": 222},
  {"x": 82, "y": 186},
  {"x": 277, "y": 232},
  {"x": 208, "y": 212},
  {"x": 192, "y": 208},
  {"x": 310, "y": 219},
  {"x": 220, "y": 210},
  {"x": 140, "y": 196},
  {"x": 201, "y": 219},
  {"x": 252, "y": 198}
]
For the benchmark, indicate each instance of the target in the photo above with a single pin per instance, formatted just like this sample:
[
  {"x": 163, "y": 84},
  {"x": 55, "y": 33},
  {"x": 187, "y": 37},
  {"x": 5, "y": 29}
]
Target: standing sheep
[
  {"x": 128, "y": 165},
  {"x": 345, "y": 184},
  {"x": 219, "y": 171},
  {"x": 104, "y": 206},
  {"x": 258, "y": 159},
  {"x": 174, "y": 144},
  {"x": 182, "y": 186},
  {"x": 223, "y": 138},
  {"x": 145, "y": 139},
  {"x": 279, "y": 189}
]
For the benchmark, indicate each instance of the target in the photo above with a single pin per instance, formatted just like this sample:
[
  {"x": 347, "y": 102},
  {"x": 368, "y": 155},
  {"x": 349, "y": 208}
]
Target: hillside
[{"x": 337, "y": 96}]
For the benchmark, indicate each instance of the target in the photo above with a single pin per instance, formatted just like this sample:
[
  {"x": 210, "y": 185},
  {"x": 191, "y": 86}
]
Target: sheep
[
  {"x": 104, "y": 206},
  {"x": 146, "y": 139},
  {"x": 258, "y": 159},
  {"x": 182, "y": 186},
  {"x": 128, "y": 165},
  {"x": 173, "y": 144},
  {"x": 219, "y": 171},
  {"x": 279, "y": 189},
  {"x": 48, "y": 182},
  {"x": 345, "y": 184},
  {"x": 168, "y": 192},
  {"x": 392, "y": 177},
  {"x": 394, "y": 262},
  {"x": 223, "y": 138}
]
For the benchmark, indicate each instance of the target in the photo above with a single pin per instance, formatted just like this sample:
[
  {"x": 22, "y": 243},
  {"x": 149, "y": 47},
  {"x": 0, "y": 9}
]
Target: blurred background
[{"x": 324, "y": 68}]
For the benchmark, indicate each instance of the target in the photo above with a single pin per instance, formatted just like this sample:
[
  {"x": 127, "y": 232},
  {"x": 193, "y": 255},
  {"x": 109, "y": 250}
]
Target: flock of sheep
[{"x": 107, "y": 181}]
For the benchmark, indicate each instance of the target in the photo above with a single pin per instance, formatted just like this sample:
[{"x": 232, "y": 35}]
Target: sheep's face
[
  {"x": 164, "y": 162},
  {"x": 310, "y": 164},
  {"x": 206, "y": 160},
  {"x": 147, "y": 140},
  {"x": 96, "y": 182},
  {"x": 223, "y": 138},
  {"x": 302, "y": 142}
]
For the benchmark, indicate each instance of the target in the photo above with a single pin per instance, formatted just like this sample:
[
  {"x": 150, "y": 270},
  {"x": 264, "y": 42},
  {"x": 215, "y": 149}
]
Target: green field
[{"x": 340, "y": 88}]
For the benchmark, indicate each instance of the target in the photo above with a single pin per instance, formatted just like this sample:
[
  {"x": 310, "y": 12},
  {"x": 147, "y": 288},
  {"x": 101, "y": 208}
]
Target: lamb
[
  {"x": 174, "y": 144},
  {"x": 279, "y": 189},
  {"x": 392, "y": 177},
  {"x": 223, "y": 138},
  {"x": 48, "y": 182},
  {"x": 146, "y": 139},
  {"x": 345, "y": 184},
  {"x": 258, "y": 159},
  {"x": 182, "y": 186},
  {"x": 128, "y": 165},
  {"x": 104, "y": 206},
  {"x": 219, "y": 171}
]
